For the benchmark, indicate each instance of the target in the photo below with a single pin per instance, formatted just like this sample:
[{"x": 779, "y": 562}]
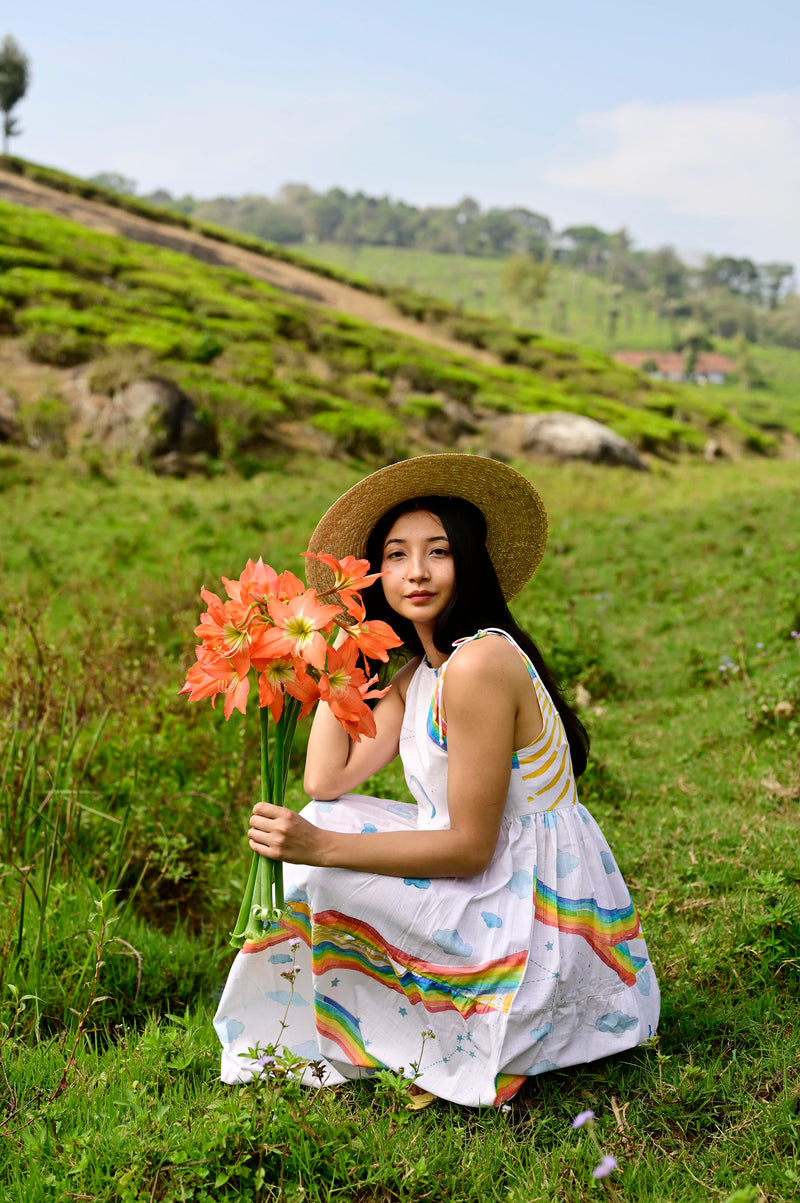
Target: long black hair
[{"x": 477, "y": 601}]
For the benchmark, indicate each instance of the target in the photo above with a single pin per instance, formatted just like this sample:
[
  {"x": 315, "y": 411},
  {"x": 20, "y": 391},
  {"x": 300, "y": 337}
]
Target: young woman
[{"x": 491, "y": 915}]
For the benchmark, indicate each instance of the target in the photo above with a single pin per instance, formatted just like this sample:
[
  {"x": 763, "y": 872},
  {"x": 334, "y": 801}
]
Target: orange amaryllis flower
[
  {"x": 298, "y": 624},
  {"x": 224, "y": 629},
  {"x": 349, "y": 575},
  {"x": 290, "y": 586},
  {"x": 373, "y": 638},
  {"x": 259, "y": 582},
  {"x": 213, "y": 675},
  {"x": 273, "y": 677},
  {"x": 344, "y": 687},
  {"x": 306, "y": 691}
]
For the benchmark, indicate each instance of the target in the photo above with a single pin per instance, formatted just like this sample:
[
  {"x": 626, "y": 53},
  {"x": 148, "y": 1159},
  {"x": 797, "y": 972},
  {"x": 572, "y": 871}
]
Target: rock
[
  {"x": 449, "y": 423},
  {"x": 147, "y": 419},
  {"x": 783, "y": 710},
  {"x": 10, "y": 429},
  {"x": 562, "y": 436}
]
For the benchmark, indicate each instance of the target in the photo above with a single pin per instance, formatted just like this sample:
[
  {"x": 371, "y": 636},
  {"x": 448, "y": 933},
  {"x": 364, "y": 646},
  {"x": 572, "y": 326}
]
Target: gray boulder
[
  {"x": 562, "y": 436},
  {"x": 147, "y": 419}
]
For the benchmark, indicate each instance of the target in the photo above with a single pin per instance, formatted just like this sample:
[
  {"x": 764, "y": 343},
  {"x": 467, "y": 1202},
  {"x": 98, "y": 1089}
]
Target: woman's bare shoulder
[
  {"x": 489, "y": 656},
  {"x": 402, "y": 678}
]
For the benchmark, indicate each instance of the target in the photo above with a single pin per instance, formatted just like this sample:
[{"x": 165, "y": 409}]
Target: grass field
[{"x": 671, "y": 597}]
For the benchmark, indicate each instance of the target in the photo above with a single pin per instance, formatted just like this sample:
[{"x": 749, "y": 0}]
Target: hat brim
[{"x": 516, "y": 520}]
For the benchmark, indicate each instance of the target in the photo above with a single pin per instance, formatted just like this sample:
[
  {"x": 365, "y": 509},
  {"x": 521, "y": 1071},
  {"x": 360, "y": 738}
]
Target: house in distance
[{"x": 710, "y": 367}]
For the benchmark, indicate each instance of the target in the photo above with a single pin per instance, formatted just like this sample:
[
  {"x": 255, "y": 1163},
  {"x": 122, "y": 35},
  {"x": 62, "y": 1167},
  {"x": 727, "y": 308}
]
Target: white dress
[{"x": 536, "y": 964}]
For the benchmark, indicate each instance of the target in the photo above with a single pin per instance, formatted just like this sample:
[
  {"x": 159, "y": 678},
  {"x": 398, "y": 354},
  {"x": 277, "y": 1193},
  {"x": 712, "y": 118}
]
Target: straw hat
[{"x": 516, "y": 521}]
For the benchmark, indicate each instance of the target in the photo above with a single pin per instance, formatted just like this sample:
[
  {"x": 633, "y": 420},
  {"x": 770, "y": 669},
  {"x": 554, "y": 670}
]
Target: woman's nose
[{"x": 418, "y": 568}]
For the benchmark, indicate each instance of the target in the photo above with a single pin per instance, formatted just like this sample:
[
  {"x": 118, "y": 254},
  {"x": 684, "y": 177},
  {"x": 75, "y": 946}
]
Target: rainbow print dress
[{"x": 536, "y": 964}]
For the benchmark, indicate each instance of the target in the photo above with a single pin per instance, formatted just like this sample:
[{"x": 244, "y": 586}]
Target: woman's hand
[{"x": 279, "y": 833}]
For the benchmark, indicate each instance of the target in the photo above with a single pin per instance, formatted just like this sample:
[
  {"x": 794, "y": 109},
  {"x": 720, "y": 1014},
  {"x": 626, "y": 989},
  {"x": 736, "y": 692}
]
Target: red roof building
[{"x": 710, "y": 367}]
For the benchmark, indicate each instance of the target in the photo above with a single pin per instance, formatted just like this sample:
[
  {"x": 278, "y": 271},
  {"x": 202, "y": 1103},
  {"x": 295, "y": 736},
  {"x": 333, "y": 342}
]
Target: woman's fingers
[{"x": 279, "y": 833}]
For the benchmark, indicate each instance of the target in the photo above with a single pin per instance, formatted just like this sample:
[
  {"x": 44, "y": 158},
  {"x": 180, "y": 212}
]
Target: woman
[{"x": 491, "y": 913}]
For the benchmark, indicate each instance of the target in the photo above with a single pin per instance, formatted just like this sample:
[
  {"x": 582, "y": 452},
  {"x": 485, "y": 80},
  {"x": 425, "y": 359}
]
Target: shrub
[
  {"x": 61, "y": 348},
  {"x": 46, "y": 423},
  {"x": 425, "y": 406},
  {"x": 119, "y": 368},
  {"x": 361, "y": 432}
]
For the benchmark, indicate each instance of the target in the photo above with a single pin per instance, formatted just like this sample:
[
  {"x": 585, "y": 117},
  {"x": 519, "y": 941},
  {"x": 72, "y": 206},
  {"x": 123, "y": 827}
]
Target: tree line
[{"x": 729, "y": 296}]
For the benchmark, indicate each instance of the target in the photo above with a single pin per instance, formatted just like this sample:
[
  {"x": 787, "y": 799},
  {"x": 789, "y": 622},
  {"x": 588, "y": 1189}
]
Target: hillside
[{"x": 279, "y": 357}]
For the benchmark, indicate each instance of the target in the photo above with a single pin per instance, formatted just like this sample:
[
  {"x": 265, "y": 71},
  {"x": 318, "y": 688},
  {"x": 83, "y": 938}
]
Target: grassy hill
[
  {"x": 577, "y": 306},
  {"x": 275, "y": 372}
]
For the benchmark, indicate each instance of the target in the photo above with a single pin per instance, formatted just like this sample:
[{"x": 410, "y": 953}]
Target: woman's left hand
[{"x": 279, "y": 833}]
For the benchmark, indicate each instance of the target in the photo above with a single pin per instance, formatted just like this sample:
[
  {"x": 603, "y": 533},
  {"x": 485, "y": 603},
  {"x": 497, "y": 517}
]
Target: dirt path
[{"x": 307, "y": 285}]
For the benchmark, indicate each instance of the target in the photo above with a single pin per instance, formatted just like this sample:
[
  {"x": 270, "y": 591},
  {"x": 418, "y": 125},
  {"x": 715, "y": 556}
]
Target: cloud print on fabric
[
  {"x": 520, "y": 883},
  {"x": 228, "y": 1029},
  {"x": 616, "y": 1022},
  {"x": 450, "y": 941}
]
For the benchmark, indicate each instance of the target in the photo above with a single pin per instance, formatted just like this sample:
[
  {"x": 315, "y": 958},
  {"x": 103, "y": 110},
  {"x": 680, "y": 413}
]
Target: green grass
[{"x": 109, "y": 780}]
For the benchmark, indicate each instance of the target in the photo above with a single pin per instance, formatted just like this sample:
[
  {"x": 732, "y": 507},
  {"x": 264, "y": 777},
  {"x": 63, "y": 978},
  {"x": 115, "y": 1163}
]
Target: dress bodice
[{"x": 542, "y": 778}]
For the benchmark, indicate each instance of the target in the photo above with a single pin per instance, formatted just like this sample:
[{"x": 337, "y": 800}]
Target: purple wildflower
[
  {"x": 294, "y": 944},
  {"x": 582, "y": 1118},
  {"x": 606, "y": 1167},
  {"x": 263, "y": 1062}
]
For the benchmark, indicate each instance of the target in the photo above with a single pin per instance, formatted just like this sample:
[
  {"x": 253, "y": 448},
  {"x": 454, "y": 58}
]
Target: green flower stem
[{"x": 263, "y": 896}]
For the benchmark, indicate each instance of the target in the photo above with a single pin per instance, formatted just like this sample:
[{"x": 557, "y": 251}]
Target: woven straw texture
[{"x": 516, "y": 520}]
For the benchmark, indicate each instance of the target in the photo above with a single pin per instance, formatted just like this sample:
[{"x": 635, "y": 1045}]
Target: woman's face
[{"x": 420, "y": 573}]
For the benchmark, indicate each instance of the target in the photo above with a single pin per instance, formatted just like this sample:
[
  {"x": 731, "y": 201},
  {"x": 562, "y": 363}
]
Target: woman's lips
[{"x": 419, "y": 597}]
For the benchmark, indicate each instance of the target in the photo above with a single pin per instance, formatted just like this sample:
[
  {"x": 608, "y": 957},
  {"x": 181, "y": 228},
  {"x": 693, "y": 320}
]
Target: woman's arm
[
  {"x": 481, "y": 692},
  {"x": 336, "y": 765}
]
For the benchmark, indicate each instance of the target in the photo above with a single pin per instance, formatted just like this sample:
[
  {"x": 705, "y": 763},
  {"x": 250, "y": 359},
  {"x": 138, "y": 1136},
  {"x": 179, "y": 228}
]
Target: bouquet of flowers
[{"x": 274, "y": 627}]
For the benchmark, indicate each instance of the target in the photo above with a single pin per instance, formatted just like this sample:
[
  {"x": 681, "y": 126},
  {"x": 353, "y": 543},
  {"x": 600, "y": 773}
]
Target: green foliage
[
  {"x": 63, "y": 347},
  {"x": 14, "y": 78},
  {"x": 362, "y": 433},
  {"x": 109, "y": 781},
  {"x": 46, "y": 422}
]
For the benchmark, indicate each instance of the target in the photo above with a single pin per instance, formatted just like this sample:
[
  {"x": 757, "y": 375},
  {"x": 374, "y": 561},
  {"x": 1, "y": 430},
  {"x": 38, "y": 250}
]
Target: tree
[
  {"x": 526, "y": 279},
  {"x": 739, "y": 276},
  {"x": 693, "y": 339},
  {"x": 14, "y": 79},
  {"x": 114, "y": 182},
  {"x": 776, "y": 281}
]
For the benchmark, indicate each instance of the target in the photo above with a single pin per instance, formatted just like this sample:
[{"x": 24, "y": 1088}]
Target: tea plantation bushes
[{"x": 253, "y": 359}]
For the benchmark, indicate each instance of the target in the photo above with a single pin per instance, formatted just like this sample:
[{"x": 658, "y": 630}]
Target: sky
[{"x": 679, "y": 121}]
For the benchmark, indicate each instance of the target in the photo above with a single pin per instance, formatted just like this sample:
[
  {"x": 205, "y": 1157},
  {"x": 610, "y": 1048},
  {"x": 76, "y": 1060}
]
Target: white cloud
[{"x": 734, "y": 162}]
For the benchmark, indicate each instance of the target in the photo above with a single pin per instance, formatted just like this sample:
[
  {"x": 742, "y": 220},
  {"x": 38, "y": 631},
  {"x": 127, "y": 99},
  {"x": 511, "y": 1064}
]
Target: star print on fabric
[
  {"x": 549, "y": 945},
  {"x": 472, "y": 1054},
  {"x": 402, "y": 1011},
  {"x": 335, "y": 981}
]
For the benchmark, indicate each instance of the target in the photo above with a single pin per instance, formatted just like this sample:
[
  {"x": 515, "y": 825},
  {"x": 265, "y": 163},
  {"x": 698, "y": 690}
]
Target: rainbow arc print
[{"x": 341, "y": 942}]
